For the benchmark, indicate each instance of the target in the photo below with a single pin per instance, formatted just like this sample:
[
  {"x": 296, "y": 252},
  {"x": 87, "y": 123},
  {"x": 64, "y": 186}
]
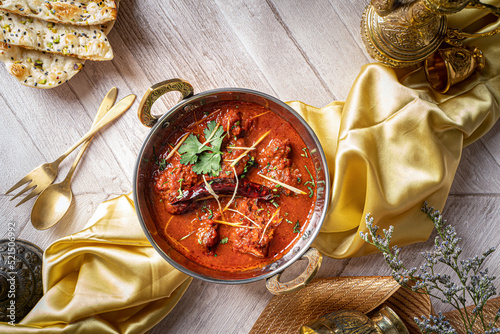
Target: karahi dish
[{"x": 231, "y": 185}]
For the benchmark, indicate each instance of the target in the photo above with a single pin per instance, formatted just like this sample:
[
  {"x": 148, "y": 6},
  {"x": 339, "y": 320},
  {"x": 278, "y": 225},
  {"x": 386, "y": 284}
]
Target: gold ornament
[
  {"x": 385, "y": 321},
  {"x": 402, "y": 33},
  {"x": 446, "y": 67}
]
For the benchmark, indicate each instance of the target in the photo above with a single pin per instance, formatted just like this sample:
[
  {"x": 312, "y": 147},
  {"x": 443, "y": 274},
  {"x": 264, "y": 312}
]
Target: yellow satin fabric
[
  {"x": 392, "y": 145},
  {"x": 104, "y": 279},
  {"x": 396, "y": 143}
]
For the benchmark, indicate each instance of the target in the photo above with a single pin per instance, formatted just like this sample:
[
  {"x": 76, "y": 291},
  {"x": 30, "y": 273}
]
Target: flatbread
[
  {"x": 51, "y": 70},
  {"x": 83, "y": 12},
  {"x": 84, "y": 42},
  {"x": 41, "y": 69},
  {"x": 38, "y": 69}
]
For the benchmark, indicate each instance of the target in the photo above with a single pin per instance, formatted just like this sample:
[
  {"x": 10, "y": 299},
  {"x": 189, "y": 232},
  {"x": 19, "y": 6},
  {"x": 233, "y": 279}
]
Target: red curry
[{"x": 225, "y": 221}]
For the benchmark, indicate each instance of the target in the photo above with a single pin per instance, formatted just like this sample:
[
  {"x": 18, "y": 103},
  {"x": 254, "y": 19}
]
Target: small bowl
[{"x": 189, "y": 102}]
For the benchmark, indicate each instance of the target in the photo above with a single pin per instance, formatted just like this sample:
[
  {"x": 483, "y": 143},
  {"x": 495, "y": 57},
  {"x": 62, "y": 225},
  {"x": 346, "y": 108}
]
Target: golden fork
[
  {"x": 53, "y": 202},
  {"x": 42, "y": 176}
]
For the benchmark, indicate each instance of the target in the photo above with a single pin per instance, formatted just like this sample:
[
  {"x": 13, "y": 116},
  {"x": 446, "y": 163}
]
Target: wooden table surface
[{"x": 294, "y": 50}]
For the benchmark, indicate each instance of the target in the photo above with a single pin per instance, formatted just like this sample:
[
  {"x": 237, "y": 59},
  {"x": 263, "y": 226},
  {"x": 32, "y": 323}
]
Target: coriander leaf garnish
[
  {"x": 162, "y": 164},
  {"x": 311, "y": 190},
  {"x": 214, "y": 134},
  {"x": 208, "y": 163},
  {"x": 205, "y": 209},
  {"x": 206, "y": 159},
  {"x": 224, "y": 241},
  {"x": 180, "y": 189},
  {"x": 296, "y": 227},
  {"x": 250, "y": 163},
  {"x": 305, "y": 152},
  {"x": 190, "y": 150}
]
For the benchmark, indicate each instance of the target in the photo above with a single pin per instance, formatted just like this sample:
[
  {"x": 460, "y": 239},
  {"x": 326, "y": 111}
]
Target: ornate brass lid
[
  {"x": 404, "y": 36},
  {"x": 20, "y": 279}
]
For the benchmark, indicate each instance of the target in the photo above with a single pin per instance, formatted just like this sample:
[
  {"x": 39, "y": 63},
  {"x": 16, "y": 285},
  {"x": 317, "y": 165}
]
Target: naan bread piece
[
  {"x": 38, "y": 69},
  {"x": 83, "y": 12},
  {"x": 89, "y": 42},
  {"x": 31, "y": 68}
]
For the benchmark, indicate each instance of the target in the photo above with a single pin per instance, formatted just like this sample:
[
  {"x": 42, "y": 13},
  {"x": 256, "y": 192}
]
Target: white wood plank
[
  {"x": 338, "y": 55},
  {"x": 479, "y": 166},
  {"x": 274, "y": 51}
]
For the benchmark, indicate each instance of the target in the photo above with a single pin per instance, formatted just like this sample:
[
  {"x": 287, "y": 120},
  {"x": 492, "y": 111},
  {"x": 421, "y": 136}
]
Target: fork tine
[
  {"x": 20, "y": 183},
  {"x": 28, "y": 187},
  {"x": 34, "y": 193}
]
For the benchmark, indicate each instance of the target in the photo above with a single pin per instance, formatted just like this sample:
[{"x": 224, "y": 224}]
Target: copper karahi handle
[
  {"x": 156, "y": 91},
  {"x": 277, "y": 288}
]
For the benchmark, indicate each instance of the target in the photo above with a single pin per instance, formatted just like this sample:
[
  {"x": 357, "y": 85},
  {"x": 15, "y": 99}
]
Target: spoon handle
[
  {"x": 105, "y": 106},
  {"x": 116, "y": 111}
]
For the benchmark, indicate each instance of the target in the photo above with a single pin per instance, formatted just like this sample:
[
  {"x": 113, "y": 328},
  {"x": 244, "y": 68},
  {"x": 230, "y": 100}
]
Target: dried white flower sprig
[{"x": 471, "y": 280}]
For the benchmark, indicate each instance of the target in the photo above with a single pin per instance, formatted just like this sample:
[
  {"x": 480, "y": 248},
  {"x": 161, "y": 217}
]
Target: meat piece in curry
[
  {"x": 207, "y": 234},
  {"x": 254, "y": 239},
  {"x": 276, "y": 162},
  {"x": 170, "y": 182}
]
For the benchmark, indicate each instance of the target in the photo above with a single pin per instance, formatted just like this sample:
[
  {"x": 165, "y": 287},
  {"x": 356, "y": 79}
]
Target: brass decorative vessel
[
  {"x": 401, "y": 33},
  {"x": 384, "y": 321},
  {"x": 446, "y": 67}
]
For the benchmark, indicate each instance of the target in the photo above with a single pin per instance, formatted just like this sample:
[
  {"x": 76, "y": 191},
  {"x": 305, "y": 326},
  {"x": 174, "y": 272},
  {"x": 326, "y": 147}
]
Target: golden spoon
[{"x": 54, "y": 202}]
